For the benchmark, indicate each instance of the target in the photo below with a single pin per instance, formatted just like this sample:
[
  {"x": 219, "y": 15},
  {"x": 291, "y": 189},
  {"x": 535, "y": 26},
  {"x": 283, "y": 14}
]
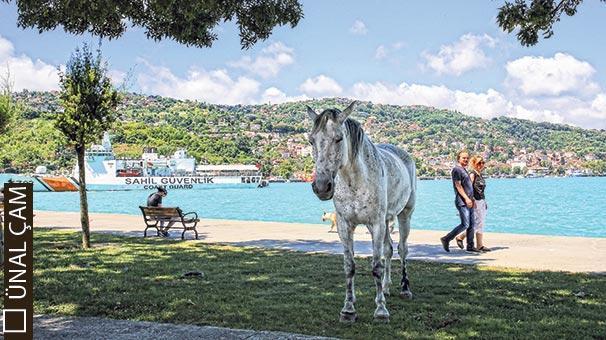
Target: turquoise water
[{"x": 548, "y": 206}]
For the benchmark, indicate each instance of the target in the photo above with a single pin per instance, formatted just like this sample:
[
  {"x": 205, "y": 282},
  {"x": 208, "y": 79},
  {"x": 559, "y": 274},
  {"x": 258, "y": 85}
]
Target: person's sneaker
[
  {"x": 445, "y": 244},
  {"x": 473, "y": 250}
]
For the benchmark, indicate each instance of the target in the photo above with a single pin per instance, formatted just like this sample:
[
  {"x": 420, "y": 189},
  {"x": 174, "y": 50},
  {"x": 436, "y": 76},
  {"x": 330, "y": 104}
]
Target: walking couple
[{"x": 470, "y": 202}]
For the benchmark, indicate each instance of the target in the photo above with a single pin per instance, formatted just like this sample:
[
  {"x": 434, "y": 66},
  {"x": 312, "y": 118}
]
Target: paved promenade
[
  {"x": 76, "y": 328},
  {"x": 533, "y": 252}
]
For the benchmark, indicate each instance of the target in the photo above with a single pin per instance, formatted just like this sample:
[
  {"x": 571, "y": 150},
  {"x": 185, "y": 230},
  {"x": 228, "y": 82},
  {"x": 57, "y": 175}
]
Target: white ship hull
[
  {"x": 172, "y": 183},
  {"x": 64, "y": 183},
  {"x": 105, "y": 172}
]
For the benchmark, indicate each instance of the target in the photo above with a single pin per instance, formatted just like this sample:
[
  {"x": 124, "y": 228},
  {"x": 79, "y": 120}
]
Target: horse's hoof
[
  {"x": 345, "y": 317},
  {"x": 406, "y": 294},
  {"x": 381, "y": 318},
  {"x": 381, "y": 315}
]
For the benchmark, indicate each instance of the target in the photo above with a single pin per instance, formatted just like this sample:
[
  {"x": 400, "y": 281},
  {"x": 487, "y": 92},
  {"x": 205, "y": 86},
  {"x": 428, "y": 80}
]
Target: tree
[
  {"x": 8, "y": 107},
  {"x": 89, "y": 102},
  {"x": 189, "y": 22},
  {"x": 534, "y": 17}
]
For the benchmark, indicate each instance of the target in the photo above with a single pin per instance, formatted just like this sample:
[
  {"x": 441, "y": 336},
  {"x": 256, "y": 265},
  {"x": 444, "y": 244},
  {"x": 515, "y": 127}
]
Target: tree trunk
[{"x": 84, "y": 222}]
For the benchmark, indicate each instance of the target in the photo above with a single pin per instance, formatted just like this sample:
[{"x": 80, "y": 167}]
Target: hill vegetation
[{"x": 273, "y": 136}]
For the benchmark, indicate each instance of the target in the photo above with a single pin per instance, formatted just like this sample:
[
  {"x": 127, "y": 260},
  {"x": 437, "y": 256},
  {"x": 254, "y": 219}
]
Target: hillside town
[{"x": 275, "y": 137}]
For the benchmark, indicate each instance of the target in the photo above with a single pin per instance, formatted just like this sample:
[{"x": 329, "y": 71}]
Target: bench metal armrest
[{"x": 193, "y": 218}]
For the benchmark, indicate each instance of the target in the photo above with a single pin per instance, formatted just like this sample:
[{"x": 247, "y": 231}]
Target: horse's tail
[{"x": 412, "y": 169}]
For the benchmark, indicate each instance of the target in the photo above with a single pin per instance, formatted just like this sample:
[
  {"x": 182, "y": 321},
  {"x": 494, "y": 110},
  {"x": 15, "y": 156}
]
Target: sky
[{"x": 446, "y": 54}]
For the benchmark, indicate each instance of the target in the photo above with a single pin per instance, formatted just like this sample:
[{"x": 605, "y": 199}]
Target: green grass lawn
[{"x": 140, "y": 279}]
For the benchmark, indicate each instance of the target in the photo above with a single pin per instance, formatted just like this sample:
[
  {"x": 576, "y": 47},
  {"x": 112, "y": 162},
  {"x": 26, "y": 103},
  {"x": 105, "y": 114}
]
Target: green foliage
[
  {"x": 534, "y": 17},
  {"x": 597, "y": 166},
  {"x": 87, "y": 97},
  {"x": 30, "y": 143},
  {"x": 8, "y": 107},
  {"x": 6, "y": 111},
  {"x": 263, "y": 134},
  {"x": 189, "y": 22}
]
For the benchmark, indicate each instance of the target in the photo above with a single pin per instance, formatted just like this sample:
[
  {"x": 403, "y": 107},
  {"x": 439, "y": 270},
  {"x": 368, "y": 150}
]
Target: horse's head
[{"x": 330, "y": 151}]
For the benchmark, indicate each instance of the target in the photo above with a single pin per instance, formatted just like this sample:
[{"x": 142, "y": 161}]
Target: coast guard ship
[{"x": 106, "y": 172}]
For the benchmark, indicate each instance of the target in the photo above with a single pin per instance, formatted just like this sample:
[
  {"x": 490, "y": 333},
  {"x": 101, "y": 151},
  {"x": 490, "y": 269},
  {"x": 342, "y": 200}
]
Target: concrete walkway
[
  {"x": 532, "y": 252},
  {"x": 63, "y": 327}
]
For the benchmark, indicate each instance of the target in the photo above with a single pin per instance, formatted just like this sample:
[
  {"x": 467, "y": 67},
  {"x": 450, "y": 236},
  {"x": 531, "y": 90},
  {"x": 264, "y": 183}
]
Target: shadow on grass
[{"x": 274, "y": 289}]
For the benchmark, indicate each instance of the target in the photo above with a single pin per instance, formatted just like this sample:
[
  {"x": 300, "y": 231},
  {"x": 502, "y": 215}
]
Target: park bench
[{"x": 153, "y": 217}]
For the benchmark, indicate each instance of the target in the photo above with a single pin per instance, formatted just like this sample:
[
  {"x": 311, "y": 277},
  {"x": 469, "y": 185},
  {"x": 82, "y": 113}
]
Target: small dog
[{"x": 332, "y": 217}]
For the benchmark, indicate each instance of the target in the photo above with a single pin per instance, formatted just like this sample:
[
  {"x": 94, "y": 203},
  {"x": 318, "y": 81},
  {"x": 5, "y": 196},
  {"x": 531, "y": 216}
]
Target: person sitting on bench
[{"x": 155, "y": 200}]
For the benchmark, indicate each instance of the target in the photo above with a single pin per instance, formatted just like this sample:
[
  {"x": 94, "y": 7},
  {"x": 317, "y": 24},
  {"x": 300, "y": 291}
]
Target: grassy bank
[{"x": 137, "y": 279}]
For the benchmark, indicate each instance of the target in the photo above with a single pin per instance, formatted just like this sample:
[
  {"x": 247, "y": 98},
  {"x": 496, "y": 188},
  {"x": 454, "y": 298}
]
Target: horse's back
[
  {"x": 401, "y": 154},
  {"x": 406, "y": 159}
]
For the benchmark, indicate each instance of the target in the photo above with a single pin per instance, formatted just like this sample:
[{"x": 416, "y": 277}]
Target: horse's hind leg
[
  {"x": 388, "y": 254},
  {"x": 348, "y": 313},
  {"x": 404, "y": 223}
]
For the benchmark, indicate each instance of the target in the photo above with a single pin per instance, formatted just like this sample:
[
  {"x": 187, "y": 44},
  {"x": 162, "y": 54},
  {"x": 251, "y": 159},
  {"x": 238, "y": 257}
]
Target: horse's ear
[
  {"x": 311, "y": 113},
  {"x": 345, "y": 113}
]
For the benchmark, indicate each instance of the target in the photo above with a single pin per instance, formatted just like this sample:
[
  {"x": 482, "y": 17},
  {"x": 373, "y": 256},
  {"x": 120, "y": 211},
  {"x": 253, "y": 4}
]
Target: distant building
[{"x": 521, "y": 165}]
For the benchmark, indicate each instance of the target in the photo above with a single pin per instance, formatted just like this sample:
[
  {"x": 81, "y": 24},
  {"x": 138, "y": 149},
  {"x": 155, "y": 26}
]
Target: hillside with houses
[{"x": 273, "y": 136}]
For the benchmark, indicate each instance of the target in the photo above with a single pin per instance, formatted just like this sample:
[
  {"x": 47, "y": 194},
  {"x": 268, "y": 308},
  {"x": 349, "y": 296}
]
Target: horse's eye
[{"x": 338, "y": 140}]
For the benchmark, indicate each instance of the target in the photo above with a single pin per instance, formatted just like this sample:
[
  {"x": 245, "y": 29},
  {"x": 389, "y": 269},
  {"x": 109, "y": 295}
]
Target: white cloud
[
  {"x": 6, "y": 48},
  {"x": 381, "y": 52},
  {"x": 274, "y": 95},
  {"x": 537, "y": 76},
  {"x": 215, "y": 86},
  {"x": 491, "y": 103},
  {"x": 403, "y": 94},
  {"x": 537, "y": 115},
  {"x": 462, "y": 56},
  {"x": 118, "y": 77},
  {"x": 26, "y": 73},
  {"x": 485, "y": 105},
  {"x": 599, "y": 104},
  {"x": 269, "y": 62},
  {"x": 358, "y": 28},
  {"x": 321, "y": 86}
]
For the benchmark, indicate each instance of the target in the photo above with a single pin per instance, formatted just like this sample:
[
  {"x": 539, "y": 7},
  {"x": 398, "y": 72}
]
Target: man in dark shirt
[
  {"x": 155, "y": 200},
  {"x": 463, "y": 201}
]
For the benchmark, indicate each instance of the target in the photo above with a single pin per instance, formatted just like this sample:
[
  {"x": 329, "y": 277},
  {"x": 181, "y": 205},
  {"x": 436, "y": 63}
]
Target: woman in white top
[{"x": 480, "y": 206}]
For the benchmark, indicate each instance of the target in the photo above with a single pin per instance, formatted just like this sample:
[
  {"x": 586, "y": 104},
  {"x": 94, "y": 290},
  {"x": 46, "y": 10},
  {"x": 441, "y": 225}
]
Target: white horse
[{"x": 369, "y": 184}]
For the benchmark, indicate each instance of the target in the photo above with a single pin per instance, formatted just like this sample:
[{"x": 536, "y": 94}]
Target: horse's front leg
[
  {"x": 378, "y": 231},
  {"x": 346, "y": 231}
]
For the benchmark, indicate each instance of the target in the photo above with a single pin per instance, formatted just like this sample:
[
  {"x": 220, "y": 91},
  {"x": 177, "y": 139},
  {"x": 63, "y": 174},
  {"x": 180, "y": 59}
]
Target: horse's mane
[{"x": 356, "y": 134}]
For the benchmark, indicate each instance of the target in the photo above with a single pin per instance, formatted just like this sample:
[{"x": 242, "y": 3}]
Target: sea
[{"x": 570, "y": 206}]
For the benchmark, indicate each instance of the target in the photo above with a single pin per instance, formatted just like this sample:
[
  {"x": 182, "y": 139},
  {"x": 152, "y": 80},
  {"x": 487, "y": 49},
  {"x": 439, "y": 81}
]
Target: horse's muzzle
[{"x": 324, "y": 189}]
